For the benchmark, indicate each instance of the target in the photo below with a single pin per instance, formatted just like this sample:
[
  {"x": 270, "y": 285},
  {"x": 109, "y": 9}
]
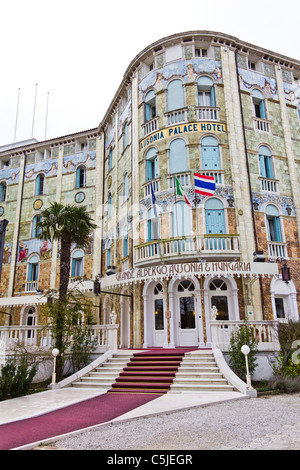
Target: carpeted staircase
[{"x": 148, "y": 372}]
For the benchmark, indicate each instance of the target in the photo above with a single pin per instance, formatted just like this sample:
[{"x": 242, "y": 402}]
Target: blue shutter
[
  {"x": 269, "y": 167},
  {"x": 147, "y": 112},
  {"x": 1, "y": 192},
  {"x": 78, "y": 177},
  {"x": 30, "y": 272},
  {"x": 73, "y": 267},
  {"x": 262, "y": 110},
  {"x": 149, "y": 170},
  {"x": 156, "y": 167},
  {"x": 262, "y": 166},
  {"x": 277, "y": 229},
  {"x": 212, "y": 97},
  {"x": 38, "y": 185},
  {"x": 178, "y": 157},
  {"x": 175, "y": 95},
  {"x": 149, "y": 231}
]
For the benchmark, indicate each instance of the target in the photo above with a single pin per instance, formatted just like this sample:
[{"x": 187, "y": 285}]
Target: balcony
[
  {"x": 188, "y": 248},
  {"x": 176, "y": 117},
  {"x": 155, "y": 185},
  {"x": 31, "y": 286},
  {"x": 277, "y": 249},
  {"x": 207, "y": 113},
  {"x": 262, "y": 125},
  {"x": 150, "y": 126},
  {"x": 269, "y": 185}
]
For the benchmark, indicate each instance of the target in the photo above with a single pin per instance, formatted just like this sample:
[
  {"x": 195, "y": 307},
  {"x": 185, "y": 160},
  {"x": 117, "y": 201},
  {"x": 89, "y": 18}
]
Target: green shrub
[
  {"x": 16, "y": 377},
  {"x": 239, "y": 337}
]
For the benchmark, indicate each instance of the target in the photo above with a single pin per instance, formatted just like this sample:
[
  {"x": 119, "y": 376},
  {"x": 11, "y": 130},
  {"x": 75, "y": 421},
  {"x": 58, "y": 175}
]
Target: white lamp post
[
  {"x": 55, "y": 353},
  {"x": 245, "y": 350}
]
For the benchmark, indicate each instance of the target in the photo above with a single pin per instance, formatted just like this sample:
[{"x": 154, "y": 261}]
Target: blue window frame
[
  {"x": 151, "y": 164},
  {"x": 80, "y": 177},
  {"x": 77, "y": 263},
  {"x": 178, "y": 156},
  {"x": 39, "y": 184},
  {"x": 259, "y": 104},
  {"x": 210, "y": 153},
  {"x": 265, "y": 162},
  {"x": 33, "y": 269},
  {"x": 273, "y": 224}
]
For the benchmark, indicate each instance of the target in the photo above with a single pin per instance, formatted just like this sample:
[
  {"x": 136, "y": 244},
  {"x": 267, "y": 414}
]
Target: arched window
[
  {"x": 125, "y": 242},
  {"x": 186, "y": 304},
  {"x": 110, "y": 159},
  {"x": 273, "y": 224},
  {"x": 39, "y": 184},
  {"x": 210, "y": 153},
  {"x": 3, "y": 188},
  {"x": 158, "y": 307},
  {"x": 30, "y": 320},
  {"x": 175, "y": 95},
  {"x": 108, "y": 253},
  {"x": 265, "y": 162},
  {"x": 151, "y": 164},
  {"x": 258, "y": 100},
  {"x": 126, "y": 187},
  {"x": 214, "y": 216},
  {"x": 181, "y": 220},
  {"x": 206, "y": 92},
  {"x": 81, "y": 177},
  {"x": 125, "y": 136},
  {"x": 109, "y": 205},
  {"x": 77, "y": 263},
  {"x": 32, "y": 273},
  {"x": 178, "y": 157},
  {"x": 35, "y": 230},
  {"x": 153, "y": 228},
  {"x": 150, "y": 106},
  {"x": 219, "y": 298}
]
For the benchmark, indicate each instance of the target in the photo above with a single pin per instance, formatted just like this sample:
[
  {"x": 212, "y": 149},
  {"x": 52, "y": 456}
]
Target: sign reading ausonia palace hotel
[
  {"x": 223, "y": 268},
  {"x": 183, "y": 129}
]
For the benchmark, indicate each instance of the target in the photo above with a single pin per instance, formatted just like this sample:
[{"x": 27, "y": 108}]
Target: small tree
[
  {"x": 75, "y": 315},
  {"x": 243, "y": 335},
  {"x": 287, "y": 363},
  {"x": 16, "y": 377}
]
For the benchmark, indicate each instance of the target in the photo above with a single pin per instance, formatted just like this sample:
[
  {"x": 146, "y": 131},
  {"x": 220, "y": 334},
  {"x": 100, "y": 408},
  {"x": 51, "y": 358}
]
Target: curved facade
[{"x": 169, "y": 256}]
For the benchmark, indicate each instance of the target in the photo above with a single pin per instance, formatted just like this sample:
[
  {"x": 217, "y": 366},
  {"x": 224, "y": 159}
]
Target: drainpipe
[{"x": 249, "y": 183}]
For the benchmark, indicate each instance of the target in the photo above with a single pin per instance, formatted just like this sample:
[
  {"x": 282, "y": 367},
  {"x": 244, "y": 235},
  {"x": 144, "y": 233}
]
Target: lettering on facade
[{"x": 181, "y": 130}]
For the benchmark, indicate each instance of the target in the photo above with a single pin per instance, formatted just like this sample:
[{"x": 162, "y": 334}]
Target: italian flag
[{"x": 180, "y": 192}]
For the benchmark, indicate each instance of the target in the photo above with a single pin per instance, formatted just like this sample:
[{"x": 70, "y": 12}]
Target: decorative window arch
[
  {"x": 210, "y": 153},
  {"x": 32, "y": 273},
  {"x": 175, "y": 95},
  {"x": 35, "y": 230},
  {"x": 80, "y": 176},
  {"x": 206, "y": 92},
  {"x": 265, "y": 162},
  {"x": 178, "y": 161},
  {"x": 3, "y": 191},
  {"x": 77, "y": 263},
  {"x": 273, "y": 224},
  {"x": 150, "y": 105},
  {"x": 39, "y": 184},
  {"x": 258, "y": 100},
  {"x": 151, "y": 164}
]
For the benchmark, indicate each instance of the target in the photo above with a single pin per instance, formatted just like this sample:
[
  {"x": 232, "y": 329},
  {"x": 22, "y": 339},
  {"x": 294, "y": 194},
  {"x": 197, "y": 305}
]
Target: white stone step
[{"x": 200, "y": 387}]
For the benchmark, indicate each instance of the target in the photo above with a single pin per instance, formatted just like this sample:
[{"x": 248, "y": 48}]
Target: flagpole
[
  {"x": 17, "y": 114},
  {"x": 176, "y": 214},
  {"x": 34, "y": 110}
]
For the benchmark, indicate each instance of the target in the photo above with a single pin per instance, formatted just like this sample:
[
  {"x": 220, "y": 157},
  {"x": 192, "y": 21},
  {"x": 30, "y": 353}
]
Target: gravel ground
[{"x": 264, "y": 423}]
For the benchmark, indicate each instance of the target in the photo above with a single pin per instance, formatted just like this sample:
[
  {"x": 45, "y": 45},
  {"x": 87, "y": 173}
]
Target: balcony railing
[
  {"x": 217, "y": 174},
  {"x": 150, "y": 126},
  {"x": 262, "y": 125},
  {"x": 269, "y": 185},
  {"x": 41, "y": 337},
  {"x": 264, "y": 332},
  {"x": 277, "y": 250},
  {"x": 31, "y": 286},
  {"x": 147, "y": 187},
  {"x": 187, "y": 247},
  {"x": 183, "y": 178},
  {"x": 207, "y": 113},
  {"x": 176, "y": 117}
]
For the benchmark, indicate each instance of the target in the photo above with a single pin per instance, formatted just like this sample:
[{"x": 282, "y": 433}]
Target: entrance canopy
[{"x": 157, "y": 273}]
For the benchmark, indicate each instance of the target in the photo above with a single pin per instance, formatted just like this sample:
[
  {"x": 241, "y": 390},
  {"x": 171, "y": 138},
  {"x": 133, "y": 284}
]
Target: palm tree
[{"x": 67, "y": 224}]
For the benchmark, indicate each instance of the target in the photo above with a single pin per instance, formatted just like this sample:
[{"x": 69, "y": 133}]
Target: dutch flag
[{"x": 204, "y": 185}]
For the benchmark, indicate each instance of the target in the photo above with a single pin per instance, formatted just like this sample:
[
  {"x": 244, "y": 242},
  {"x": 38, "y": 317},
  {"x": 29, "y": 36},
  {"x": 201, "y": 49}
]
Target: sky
[{"x": 63, "y": 60}]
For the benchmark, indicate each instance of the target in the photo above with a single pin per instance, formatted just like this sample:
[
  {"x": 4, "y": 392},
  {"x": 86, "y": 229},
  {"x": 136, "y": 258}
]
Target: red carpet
[{"x": 71, "y": 418}]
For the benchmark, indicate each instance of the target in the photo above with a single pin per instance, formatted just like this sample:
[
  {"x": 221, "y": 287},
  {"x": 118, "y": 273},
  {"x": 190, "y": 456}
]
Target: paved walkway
[{"x": 44, "y": 404}]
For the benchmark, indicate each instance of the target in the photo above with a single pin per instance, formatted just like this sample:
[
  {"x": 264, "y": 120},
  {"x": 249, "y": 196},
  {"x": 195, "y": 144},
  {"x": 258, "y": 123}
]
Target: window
[
  {"x": 258, "y": 100},
  {"x": 206, "y": 92},
  {"x": 125, "y": 136},
  {"x": 158, "y": 307},
  {"x": 181, "y": 220},
  {"x": 279, "y": 305},
  {"x": 151, "y": 164},
  {"x": 152, "y": 226},
  {"x": 30, "y": 320},
  {"x": 273, "y": 224},
  {"x": 214, "y": 216},
  {"x": 3, "y": 188},
  {"x": 200, "y": 52},
  {"x": 210, "y": 154},
  {"x": 126, "y": 187},
  {"x": 109, "y": 205},
  {"x": 178, "y": 157},
  {"x": 108, "y": 253},
  {"x": 265, "y": 162},
  {"x": 77, "y": 263},
  {"x": 175, "y": 95},
  {"x": 35, "y": 230},
  {"x": 150, "y": 106},
  {"x": 110, "y": 159},
  {"x": 39, "y": 184},
  {"x": 219, "y": 298},
  {"x": 81, "y": 177},
  {"x": 33, "y": 273},
  {"x": 186, "y": 305},
  {"x": 125, "y": 242}
]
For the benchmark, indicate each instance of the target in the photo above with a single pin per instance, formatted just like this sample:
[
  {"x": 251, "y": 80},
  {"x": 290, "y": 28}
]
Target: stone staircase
[
  {"x": 144, "y": 372},
  {"x": 103, "y": 376},
  {"x": 199, "y": 372}
]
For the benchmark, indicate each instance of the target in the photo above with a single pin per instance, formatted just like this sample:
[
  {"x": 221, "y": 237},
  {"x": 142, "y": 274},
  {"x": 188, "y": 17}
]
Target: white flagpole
[
  {"x": 17, "y": 115},
  {"x": 34, "y": 110},
  {"x": 46, "y": 115},
  {"x": 176, "y": 214}
]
